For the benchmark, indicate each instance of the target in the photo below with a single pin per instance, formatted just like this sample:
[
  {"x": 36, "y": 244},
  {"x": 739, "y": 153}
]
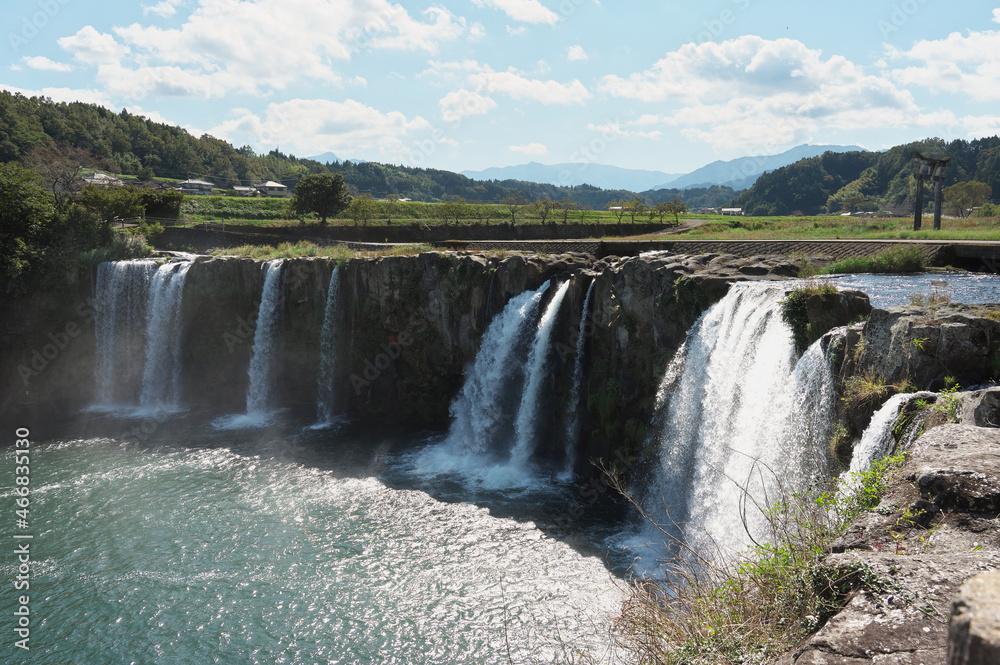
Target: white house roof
[
  {"x": 197, "y": 182},
  {"x": 271, "y": 183}
]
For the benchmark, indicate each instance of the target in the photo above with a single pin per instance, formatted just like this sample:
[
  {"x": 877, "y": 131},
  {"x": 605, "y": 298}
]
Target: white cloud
[
  {"x": 310, "y": 126},
  {"x": 755, "y": 94},
  {"x": 42, "y": 63},
  {"x": 166, "y": 8},
  {"x": 576, "y": 54},
  {"x": 529, "y": 149},
  {"x": 94, "y": 48},
  {"x": 526, "y": 11},
  {"x": 463, "y": 103},
  {"x": 967, "y": 65},
  {"x": 514, "y": 84},
  {"x": 615, "y": 130},
  {"x": 254, "y": 47},
  {"x": 516, "y": 32},
  {"x": 476, "y": 32}
]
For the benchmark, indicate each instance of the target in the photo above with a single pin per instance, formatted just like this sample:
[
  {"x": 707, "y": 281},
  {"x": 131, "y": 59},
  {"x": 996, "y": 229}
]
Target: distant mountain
[
  {"x": 326, "y": 158},
  {"x": 743, "y": 172},
  {"x": 571, "y": 175}
]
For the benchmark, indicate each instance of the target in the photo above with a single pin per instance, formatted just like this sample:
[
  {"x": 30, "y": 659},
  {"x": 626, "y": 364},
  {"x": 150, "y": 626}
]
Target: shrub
[{"x": 896, "y": 260}]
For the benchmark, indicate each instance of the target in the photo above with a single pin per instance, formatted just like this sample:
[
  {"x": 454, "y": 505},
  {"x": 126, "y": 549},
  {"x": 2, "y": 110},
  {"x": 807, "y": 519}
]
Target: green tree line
[{"x": 861, "y": 181}]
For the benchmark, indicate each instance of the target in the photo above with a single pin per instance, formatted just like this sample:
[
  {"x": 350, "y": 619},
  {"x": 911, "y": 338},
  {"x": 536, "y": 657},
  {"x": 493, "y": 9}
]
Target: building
[
  {"x": 733, "y": 211},
  {"x": 103, "y": 180},
  {"x": 195, "y": 187},
  {"x": 245, "y": 191},
  {"x": 271, "y": 188}
]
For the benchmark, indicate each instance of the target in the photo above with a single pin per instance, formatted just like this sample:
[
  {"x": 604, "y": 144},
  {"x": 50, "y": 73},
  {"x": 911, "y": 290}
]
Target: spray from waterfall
[
  {"x": 741, "y": 422},
  {"x": 325, "y": 391},
  {"x": 573, "y": 407},
  {"x": 162, "y": 371}
]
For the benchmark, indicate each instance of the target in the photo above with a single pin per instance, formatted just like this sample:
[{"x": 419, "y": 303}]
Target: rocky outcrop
[
  {"x": 975, "y": 622},
  {"x": 925, "y": 345},
  {"x": 935, "y": 527}
]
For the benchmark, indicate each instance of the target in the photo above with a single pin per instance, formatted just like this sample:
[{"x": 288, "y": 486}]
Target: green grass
[
  {"x": 760, "y": 605},
  {"x": 892, "y": 261},
  {"x": 306, "y": 249},
  {"x": 831, "y": 228}
]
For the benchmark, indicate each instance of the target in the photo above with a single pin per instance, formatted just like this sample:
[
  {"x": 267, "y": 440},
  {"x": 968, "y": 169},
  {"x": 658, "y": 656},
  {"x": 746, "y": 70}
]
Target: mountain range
[{"x": 738, "y": 173}]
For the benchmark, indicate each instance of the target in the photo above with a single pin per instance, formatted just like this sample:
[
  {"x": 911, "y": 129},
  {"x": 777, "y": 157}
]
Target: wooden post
[{"x": 918, "y": 210}]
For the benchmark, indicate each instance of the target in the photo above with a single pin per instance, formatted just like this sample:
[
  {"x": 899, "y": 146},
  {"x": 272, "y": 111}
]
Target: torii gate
[{"x": 933, "y": 169}]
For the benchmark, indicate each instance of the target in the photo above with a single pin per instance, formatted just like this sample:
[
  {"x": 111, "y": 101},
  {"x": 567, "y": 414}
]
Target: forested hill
[
  {"x": 132, "y": 145},
  {"x": 834, "y": 182}
]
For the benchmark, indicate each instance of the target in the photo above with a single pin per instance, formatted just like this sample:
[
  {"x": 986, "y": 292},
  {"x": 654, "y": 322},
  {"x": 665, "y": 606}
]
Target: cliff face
[{"x": 408, "y": 327}]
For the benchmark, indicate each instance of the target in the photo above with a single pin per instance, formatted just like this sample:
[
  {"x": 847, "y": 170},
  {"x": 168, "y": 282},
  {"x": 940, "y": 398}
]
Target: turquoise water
[{"x": 298, "y": 547}]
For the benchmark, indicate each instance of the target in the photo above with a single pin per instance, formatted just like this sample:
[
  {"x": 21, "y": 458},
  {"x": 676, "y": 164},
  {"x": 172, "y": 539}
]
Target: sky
[{"x": 470, "y": 84}]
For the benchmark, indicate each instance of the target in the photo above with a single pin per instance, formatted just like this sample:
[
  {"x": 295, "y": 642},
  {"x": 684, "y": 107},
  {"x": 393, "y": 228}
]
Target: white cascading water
[
  {"x": 161, "y": 374},
  {"x": 573, "y": 407},
  {"x": 121, "y": 300},
  {"x": 741, "y": 423},
  {"x": 262, "y": 355},
  {"x": 325, "y": 393},
  {"x": 526, "y": 424},
  {"x": 877, "y": 441},
  {"x": 480, "y": 418}
]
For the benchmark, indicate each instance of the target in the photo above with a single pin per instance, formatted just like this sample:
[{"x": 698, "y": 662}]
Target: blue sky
[{"x": 468, "y": 84}]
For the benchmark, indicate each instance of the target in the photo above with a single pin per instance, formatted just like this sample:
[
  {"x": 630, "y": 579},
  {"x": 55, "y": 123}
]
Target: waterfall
[
  {"x": 573, "y": 407},
  {"x": 325, "y": 393},
  {"x": 741, "y": 422},
  {"x": 481, "y": 420},
  {"x": 121, "y": 300},
  {"x": 161, "y": 374},
  {"x": 527, "y": 413},
  {"x": 261, "y": 356},
  {"x": 877, "y": 441}
]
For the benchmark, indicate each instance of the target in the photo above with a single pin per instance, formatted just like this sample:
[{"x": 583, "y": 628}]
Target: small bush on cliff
[{"x": 794, "y": 309}]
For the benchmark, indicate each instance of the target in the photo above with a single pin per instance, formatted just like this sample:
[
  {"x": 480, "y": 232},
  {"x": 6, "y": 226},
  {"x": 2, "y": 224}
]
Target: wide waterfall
[
  {"x": 162, "y": 371},
  {"x": 325, "y": 392},
  {"x": 573, "y": 406},
  {"x": 121, "y": 301},
  {"x": 740, "y": 423}
]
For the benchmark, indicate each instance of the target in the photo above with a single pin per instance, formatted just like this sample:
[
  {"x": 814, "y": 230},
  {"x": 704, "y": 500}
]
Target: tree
[
  {"x": 963, "y": 196},
  {"x": 455, "y": 209},
  {"x": 678, "y": 208},
  {"x": 362, "y": 209},
  {"x": 659, "y": 210},
  {"x": 513, "y": 203},
  {"x": 25, "y": 213},
  {"x": 543, "y": 207},
  {"x": 112, "y": 203},
  {"x": 389, "y": 206},
  {"x": 566, "y": 205},
  {"x": 324, "y": 194},
  {"x": 618, "y": 208},
  {"x": 481, "y": 211},
  {"x": 635, "y": 207},
  {"x": 61, "y": 168}
]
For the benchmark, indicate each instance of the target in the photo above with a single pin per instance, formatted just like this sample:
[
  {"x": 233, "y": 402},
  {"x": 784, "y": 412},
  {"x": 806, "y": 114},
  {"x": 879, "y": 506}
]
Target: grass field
[{"x": 827, "y": 228}]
